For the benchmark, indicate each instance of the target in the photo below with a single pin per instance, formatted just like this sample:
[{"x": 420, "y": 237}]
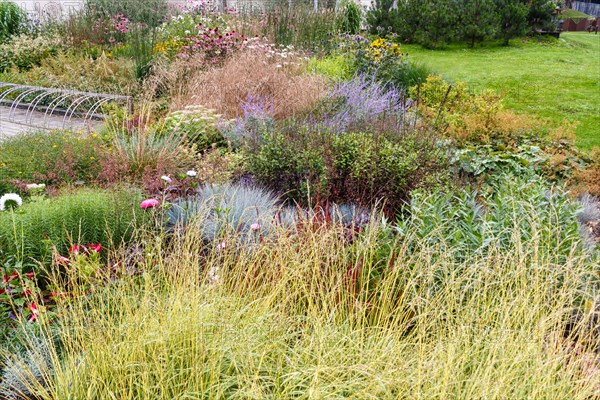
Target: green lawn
[{"x": 559, "y": 81}]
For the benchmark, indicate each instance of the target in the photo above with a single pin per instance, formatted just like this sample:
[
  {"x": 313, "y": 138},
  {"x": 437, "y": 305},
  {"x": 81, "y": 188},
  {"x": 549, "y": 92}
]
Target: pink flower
[
  {"x": 96, "y": 248},
  {"x": 34, "y": 312},
  {"x": 255, "y": 226},
  {"x": 61, "y": 260},
  {"x": 222, "y": 245},
  {"x": 77, "y": 248},
  {"x": 149, "y": 203}
]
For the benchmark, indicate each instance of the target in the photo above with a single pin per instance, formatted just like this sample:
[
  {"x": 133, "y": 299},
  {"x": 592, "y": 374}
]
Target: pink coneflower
[{"x": 149, "y": 203}]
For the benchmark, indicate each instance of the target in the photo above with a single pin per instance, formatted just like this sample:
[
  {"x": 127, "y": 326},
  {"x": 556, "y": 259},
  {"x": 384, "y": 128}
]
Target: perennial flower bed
[{"x": 279, "y": 219}]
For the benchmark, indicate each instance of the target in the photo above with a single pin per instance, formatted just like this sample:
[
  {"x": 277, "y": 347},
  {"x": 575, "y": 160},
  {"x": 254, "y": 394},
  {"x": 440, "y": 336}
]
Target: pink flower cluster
[
  {"x": 113, "y": 29},
  {"x": 212, "y": 42}
]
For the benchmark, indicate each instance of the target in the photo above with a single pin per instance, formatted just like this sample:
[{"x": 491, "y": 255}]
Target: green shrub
[
  {"x": 336, "y": 68},
  {"x": 384, "y": 60},
  {"x": 12, "y": 19},
  {"x": 50, "y": 157},
  {"x": 85, "y": 216},
  {"x": 24, "y": 52},
  {"x": 361, "y": 168}
]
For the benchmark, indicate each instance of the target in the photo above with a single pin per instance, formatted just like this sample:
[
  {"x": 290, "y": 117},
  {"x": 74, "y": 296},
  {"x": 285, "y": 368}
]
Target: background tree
[
  {"x": 382, "y": 15},
  {"x": 540, "y": 15},
  {"x": 512, "y": 19},
  {"x": 479, "y": 20},
  {"x": 439, "y": 23}
]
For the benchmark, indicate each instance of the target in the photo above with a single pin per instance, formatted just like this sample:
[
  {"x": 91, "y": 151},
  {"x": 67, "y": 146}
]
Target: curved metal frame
[{"x": 80, "y": 106}]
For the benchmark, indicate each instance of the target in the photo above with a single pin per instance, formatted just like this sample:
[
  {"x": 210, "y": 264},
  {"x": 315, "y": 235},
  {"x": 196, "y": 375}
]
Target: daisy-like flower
[
  {"x": 191, "y": 173},
  {"x": 11, "y": 200},
  {"x": 166, "y": 179}
]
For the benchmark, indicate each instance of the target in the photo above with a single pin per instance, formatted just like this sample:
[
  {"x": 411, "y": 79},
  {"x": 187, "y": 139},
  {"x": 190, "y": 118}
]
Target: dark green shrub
[
  {"x": 12, "y": 19},
  {"x": 50, "y": 157},
  {"x": 85, "y": 216},
  {"x": 382, "y": 16},
  {"x": 362, "y": 168}
]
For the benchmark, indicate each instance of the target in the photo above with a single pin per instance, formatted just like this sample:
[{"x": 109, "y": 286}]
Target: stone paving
[{"x": 20, "y": 121}]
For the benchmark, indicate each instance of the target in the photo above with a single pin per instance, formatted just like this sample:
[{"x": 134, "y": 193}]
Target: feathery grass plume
[{"x": 254, "y": 73}]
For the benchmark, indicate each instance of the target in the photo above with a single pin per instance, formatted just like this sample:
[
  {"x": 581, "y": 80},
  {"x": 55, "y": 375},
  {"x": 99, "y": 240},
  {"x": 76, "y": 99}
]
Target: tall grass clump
[
  {"x": 310, "y": 314},
  {"x": 148, "y": 12},
  {"x": 85, "y": 216},
  {"x": 142, "y": 151},
  {"x": 12, "y": 19},
  {"x": 298, "y": 25}
]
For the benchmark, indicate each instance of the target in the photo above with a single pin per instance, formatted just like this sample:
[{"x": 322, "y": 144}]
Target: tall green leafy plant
[
  {"x": 350, "y": 17},
  {"x": 12, "y": 19},
  {"x": 85, "y": 216},
  {"x": 148, "y": 12}
]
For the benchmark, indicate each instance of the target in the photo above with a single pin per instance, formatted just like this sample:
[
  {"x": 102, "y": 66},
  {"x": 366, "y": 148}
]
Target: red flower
[
  {"x": 30, "y": 275},
  {"x": 77, "y": 248},
  {"x": 34, "y": 312},
  {"x": 96, "y": 248}
]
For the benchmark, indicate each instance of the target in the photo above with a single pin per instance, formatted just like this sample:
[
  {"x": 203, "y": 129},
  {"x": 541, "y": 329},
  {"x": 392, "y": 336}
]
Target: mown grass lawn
[{"x": 559, "y": 81}]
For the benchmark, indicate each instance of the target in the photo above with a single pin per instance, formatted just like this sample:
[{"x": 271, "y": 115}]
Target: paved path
[{"x": 17, "y": 121}]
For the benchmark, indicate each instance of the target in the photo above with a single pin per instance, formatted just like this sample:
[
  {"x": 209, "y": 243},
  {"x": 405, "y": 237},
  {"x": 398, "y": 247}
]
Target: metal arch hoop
[{"x": 72, "y": 105}]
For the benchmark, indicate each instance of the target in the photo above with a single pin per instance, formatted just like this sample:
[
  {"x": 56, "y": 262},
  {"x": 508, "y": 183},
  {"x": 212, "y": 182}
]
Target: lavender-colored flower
[{"x": 364, "y": 100}]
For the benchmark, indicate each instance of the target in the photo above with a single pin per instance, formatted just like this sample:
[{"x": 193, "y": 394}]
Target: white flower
[
  {"x": 166, "y": 179},
  {"x": 191, "y": 173},
  {"x": 10, "y": 198}
]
